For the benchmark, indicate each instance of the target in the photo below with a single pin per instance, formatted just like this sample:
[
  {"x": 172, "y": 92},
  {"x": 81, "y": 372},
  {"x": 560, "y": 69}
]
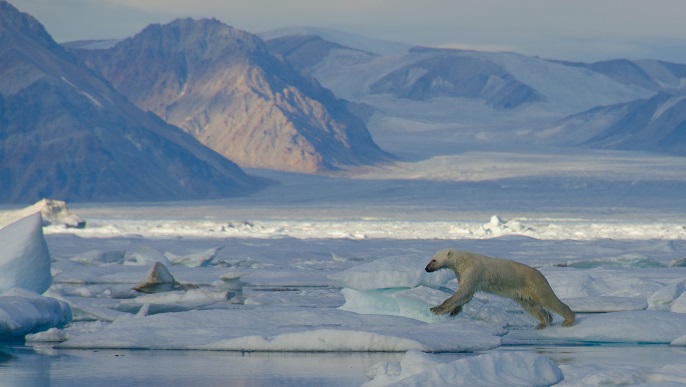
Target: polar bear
[{"x": 502, "y": 277}]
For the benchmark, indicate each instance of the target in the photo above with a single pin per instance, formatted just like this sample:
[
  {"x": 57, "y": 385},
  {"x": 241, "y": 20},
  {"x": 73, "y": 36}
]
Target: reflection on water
[{"x": 44, "y": 366}]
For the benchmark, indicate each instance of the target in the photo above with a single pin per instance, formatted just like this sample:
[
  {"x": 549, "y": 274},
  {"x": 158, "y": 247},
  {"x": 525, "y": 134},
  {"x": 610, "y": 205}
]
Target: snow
[{"x": 24, "y": 256}]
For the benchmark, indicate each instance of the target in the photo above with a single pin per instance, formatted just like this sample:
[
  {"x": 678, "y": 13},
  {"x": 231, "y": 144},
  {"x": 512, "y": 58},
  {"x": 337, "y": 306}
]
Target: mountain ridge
[
  {"x": 548, "y": 102},
  {"x": 66, "y": 134},
  {"x": 223, "y": 86}
]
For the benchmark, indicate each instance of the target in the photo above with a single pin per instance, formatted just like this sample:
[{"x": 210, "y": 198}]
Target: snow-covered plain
[{"x": 318, "y": 264}]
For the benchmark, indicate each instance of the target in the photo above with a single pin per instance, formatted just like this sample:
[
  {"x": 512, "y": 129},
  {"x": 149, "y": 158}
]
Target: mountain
[
  {"x": 425, "y": 100},
  {"x": 67, "y": 134},
  {"x": 452, "y": 74},
  {"x": 649, "y": 74},
  {"x": 655, "y": 124},
  {"x": 302, "y": 51},
  {"x": 342, "y": 39},
  {"x": 221, "y": 85}
]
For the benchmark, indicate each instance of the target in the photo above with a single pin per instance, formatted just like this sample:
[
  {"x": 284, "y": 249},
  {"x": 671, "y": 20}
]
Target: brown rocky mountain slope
[
  {"x": 222, "y": 85},
  {"x": 67, "y": 134}
]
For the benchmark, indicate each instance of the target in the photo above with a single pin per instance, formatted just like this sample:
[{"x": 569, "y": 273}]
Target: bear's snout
[{"x": 430, "y": 267}]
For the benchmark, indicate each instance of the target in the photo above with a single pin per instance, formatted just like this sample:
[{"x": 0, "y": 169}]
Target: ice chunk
[
  {"x": 679, "y": 341},
  {"x": 498, "y": 226},
  {"x": 663, "y": 297},
  {"x": 24, "y": 256},
  {"x": 199, "y": 259},
  {"x": 231, "y": 280},
  {"x": 51, "y": 335},
  {"x": 492, "y": 369},
  {"x": 100, "y": 257},
  {"x": 391, "y": 272},
  {"x": 159, "y": 279},
  {"x": 679, "y": 305},
  {"x": 413, "y": 303},
  {"x": 23, "y": 312},
  {"x": 54, "y": 212},
  {"x": 175, "y": 301},
  {"x": 145, "y": 256}
]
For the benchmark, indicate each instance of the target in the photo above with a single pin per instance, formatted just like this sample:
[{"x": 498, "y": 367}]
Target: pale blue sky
[{"x": 584, "y": 30}]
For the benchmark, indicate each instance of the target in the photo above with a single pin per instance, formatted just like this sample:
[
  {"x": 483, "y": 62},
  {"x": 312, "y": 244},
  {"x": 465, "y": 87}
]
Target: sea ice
[
  {"x": 23, "y": 312},
  {"x": 288, "y": 329},
  {"x": 174, "y": 301},
  {"x": 648, "y": 327},
  {"x": 24, "y": 256}
]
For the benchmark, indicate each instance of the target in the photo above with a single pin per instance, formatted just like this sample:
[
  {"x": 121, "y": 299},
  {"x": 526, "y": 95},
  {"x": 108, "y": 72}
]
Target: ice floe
[{"x": 24, "y": 256}]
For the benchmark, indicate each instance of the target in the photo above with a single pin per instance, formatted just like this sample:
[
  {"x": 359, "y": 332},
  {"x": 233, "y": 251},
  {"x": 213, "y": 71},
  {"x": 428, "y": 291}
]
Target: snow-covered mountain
[
  {"x": 653, "y": 124},
  {"x": 221, "y": 85},
  {"x": 67, "y": 134},
  {"x": 451, "y": 74},
  {"x": 456, "y": 99},
  {"x": 649, "y": 74}
]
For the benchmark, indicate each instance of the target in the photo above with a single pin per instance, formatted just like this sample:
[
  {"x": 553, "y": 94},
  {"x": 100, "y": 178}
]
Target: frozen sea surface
[{"x": 303, "y": 266}]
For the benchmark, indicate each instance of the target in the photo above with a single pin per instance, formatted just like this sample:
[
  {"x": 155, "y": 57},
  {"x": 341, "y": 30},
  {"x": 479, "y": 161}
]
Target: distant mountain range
[
  {"x": 67, "y": 134},
  {"x": 223, "y": 86},
  {"x": 472, "y": 96},
  {"x": 172, "y": 112}
]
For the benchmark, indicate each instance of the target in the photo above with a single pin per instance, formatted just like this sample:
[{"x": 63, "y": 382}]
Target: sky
[{"x": 579, "y": 30}]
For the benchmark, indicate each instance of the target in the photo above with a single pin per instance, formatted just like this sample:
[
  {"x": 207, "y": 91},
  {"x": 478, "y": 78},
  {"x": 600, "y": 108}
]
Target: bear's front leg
[
  {"x": 453, "y": 304},
  {"x": 440, "y": 310}
]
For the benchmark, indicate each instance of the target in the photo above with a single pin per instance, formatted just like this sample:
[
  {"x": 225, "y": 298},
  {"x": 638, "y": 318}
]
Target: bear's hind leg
[
  {"x": 553, "y": 303},
  {"x": 538, "y": 312}
]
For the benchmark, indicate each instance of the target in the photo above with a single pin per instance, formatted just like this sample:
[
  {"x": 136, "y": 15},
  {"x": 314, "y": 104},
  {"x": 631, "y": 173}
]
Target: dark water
[
  {"x": 38, "y": 365},
  {"x": 43, "y": 366}
]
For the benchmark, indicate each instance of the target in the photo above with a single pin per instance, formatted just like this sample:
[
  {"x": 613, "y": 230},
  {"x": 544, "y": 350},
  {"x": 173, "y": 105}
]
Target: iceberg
[
  {"x": 23, "y": 312},
  {"x": 54, "y": 213},
  {"x": 24, "y": 257}
]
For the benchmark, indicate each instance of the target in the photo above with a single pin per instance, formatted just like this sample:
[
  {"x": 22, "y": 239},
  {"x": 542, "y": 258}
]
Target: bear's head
[{"x": 439, "y": 260}]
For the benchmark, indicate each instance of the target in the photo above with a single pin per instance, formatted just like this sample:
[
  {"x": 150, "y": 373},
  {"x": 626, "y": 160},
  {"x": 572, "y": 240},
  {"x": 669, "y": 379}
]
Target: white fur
[{"x": 506, "y": 278}]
